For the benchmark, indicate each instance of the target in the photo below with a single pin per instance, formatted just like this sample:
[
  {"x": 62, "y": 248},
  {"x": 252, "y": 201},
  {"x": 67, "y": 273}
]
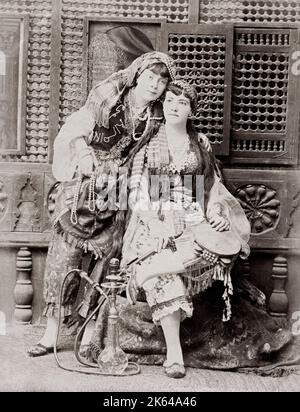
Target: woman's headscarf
[
  {"x": 104, "y": 96},
  {"x": 130, "y": 43},
  {"x": 120, "y": 46}
]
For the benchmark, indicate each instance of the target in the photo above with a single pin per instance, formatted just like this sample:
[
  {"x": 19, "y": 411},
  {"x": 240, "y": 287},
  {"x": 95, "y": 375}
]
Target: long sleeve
[{"x": 72, "y": 136}]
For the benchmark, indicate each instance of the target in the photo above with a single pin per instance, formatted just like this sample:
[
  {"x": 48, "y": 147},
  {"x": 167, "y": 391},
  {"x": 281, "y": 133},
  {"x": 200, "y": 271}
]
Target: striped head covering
[{"x": 104, "y": 96}]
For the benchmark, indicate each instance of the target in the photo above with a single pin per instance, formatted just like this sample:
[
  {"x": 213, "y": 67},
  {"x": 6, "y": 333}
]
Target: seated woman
[{"x": 177, "y": 221}]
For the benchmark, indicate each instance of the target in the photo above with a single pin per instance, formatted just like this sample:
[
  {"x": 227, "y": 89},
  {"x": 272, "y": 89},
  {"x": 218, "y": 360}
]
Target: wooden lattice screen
[
  {"x": 261, "y": 124},
  {"x": 203, "y": 56},
  {"x": 37, "y": 78},
  {"x": 264, "y": 117},
  {"x": 250, "y": 11}
]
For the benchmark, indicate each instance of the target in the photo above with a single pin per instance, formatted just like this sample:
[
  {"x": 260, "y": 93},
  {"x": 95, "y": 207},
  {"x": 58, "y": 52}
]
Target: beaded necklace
[
  {"x": 147, "y": 116},
  {"x": 178, "y": 152},
  {"x": 91, "y": 197}
]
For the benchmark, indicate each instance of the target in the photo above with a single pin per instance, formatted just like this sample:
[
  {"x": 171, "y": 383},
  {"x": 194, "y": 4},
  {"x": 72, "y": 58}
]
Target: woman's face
[
  {"x": 176, "y": 108},
  {"x": 150, "y": 86}
]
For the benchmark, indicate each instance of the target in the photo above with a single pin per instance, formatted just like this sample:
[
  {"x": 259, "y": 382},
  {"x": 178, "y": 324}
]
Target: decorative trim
[
  {"x": 293, "y": 206},
  {"x": 261, "y": 206},
  {"x": 27, "y": 215},
  {"x": 194, "y": 11},
  {"x": 278, "y": 303},
  {"x": 3, "y": 200},
  {"x": 55, "y": 58},
  {"x": 22, "y": 20}
]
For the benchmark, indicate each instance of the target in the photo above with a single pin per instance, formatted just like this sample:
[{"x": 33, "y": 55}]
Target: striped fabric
[
  {"x": 104, "y": 96},
  {"x": 157, "y": 156}
]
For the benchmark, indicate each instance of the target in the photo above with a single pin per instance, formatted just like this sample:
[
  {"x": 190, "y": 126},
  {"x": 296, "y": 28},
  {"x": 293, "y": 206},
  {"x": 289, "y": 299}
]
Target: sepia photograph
[{"x": 149, "y": 198}]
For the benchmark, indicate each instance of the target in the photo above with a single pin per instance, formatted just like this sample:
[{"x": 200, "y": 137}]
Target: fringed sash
[
  {"x": 157, "y": 153},
  {"x": 201, "y": 274}
]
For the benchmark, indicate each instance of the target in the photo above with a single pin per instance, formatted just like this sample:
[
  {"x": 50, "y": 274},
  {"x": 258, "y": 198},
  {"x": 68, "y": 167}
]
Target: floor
[{"x": 18, "y": 373}]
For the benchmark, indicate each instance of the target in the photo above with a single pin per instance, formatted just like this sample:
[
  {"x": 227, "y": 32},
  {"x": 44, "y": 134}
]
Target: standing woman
[
  {"x": 121, "y": 114},
  {"x": 175, "y": 224}
]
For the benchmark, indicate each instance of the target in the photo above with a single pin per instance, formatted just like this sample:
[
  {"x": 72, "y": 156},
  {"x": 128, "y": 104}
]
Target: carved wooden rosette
[
  {"x": 278, "y": 303},
  {"x": 23, "y": 292},
  {"x": 261, "y": 206}
]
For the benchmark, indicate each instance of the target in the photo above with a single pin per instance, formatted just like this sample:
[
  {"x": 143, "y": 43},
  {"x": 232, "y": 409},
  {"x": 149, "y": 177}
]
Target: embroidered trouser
[
  {"x": 165, "y": 295},
  {"x": 61, "y": 258}
]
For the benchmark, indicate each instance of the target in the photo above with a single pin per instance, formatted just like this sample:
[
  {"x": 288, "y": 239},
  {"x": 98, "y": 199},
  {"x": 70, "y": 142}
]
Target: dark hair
[
  {"x": 207, "y": 164},
  {"x": 177, "y": 90},
  {"x": 160, "y": 68},
  {"x": 157, "y": 68},
  {"x": 206, "y": 161}
]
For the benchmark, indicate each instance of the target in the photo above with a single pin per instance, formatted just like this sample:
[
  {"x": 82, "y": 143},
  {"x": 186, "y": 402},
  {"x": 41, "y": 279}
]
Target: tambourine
[
  {"x": 216, "y": 252},
  {"x": 215, "y": 244}
]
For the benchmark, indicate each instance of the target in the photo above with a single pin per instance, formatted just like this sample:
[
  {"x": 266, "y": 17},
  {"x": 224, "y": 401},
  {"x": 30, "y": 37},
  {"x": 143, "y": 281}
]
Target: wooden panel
[
  {"x": 23, "y": 206},
  {"x": 194, "y": 10},
  {"x": 271, "y": 200},
  {"x": 6, "y": 189},
  {"x": 13, "y": 76},
  {"x": 103, "y": 53},
  {"x": 265, "y": 90},
  {"x": 257, "y": 11},
  {"x": 36, "y": 87},
  {"x": 27, "y": 203},
  {"x": 55, "y": 59}
]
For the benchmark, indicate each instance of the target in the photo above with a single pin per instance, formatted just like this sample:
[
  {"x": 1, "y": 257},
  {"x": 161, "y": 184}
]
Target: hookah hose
[{"x": 95, "y": 285}]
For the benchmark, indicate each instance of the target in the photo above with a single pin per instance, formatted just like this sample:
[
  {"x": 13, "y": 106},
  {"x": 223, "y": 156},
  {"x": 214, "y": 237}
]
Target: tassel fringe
[
  {"x": 86, "y": 245},
  {"x": 197, "y": 280}
]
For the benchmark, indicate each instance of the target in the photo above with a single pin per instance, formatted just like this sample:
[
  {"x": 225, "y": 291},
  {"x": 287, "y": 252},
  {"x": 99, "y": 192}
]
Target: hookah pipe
[{"x": 112, "y": 360}]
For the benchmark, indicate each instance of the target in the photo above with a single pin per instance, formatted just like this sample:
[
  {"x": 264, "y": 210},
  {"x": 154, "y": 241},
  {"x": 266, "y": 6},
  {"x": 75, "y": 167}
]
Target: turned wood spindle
[
  {"x": 278, "y": 303},
  {"x": 23, "y": 291}
]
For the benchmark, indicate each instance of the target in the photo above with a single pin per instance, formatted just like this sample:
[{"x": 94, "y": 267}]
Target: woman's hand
[
  {"x": 87, "y": 161},
  {"x": 194, "y": 218},
  {"x": 86, "y": 165},
  {"x": 218, "y": 222},
  {"x": 86, "y": 157}
]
